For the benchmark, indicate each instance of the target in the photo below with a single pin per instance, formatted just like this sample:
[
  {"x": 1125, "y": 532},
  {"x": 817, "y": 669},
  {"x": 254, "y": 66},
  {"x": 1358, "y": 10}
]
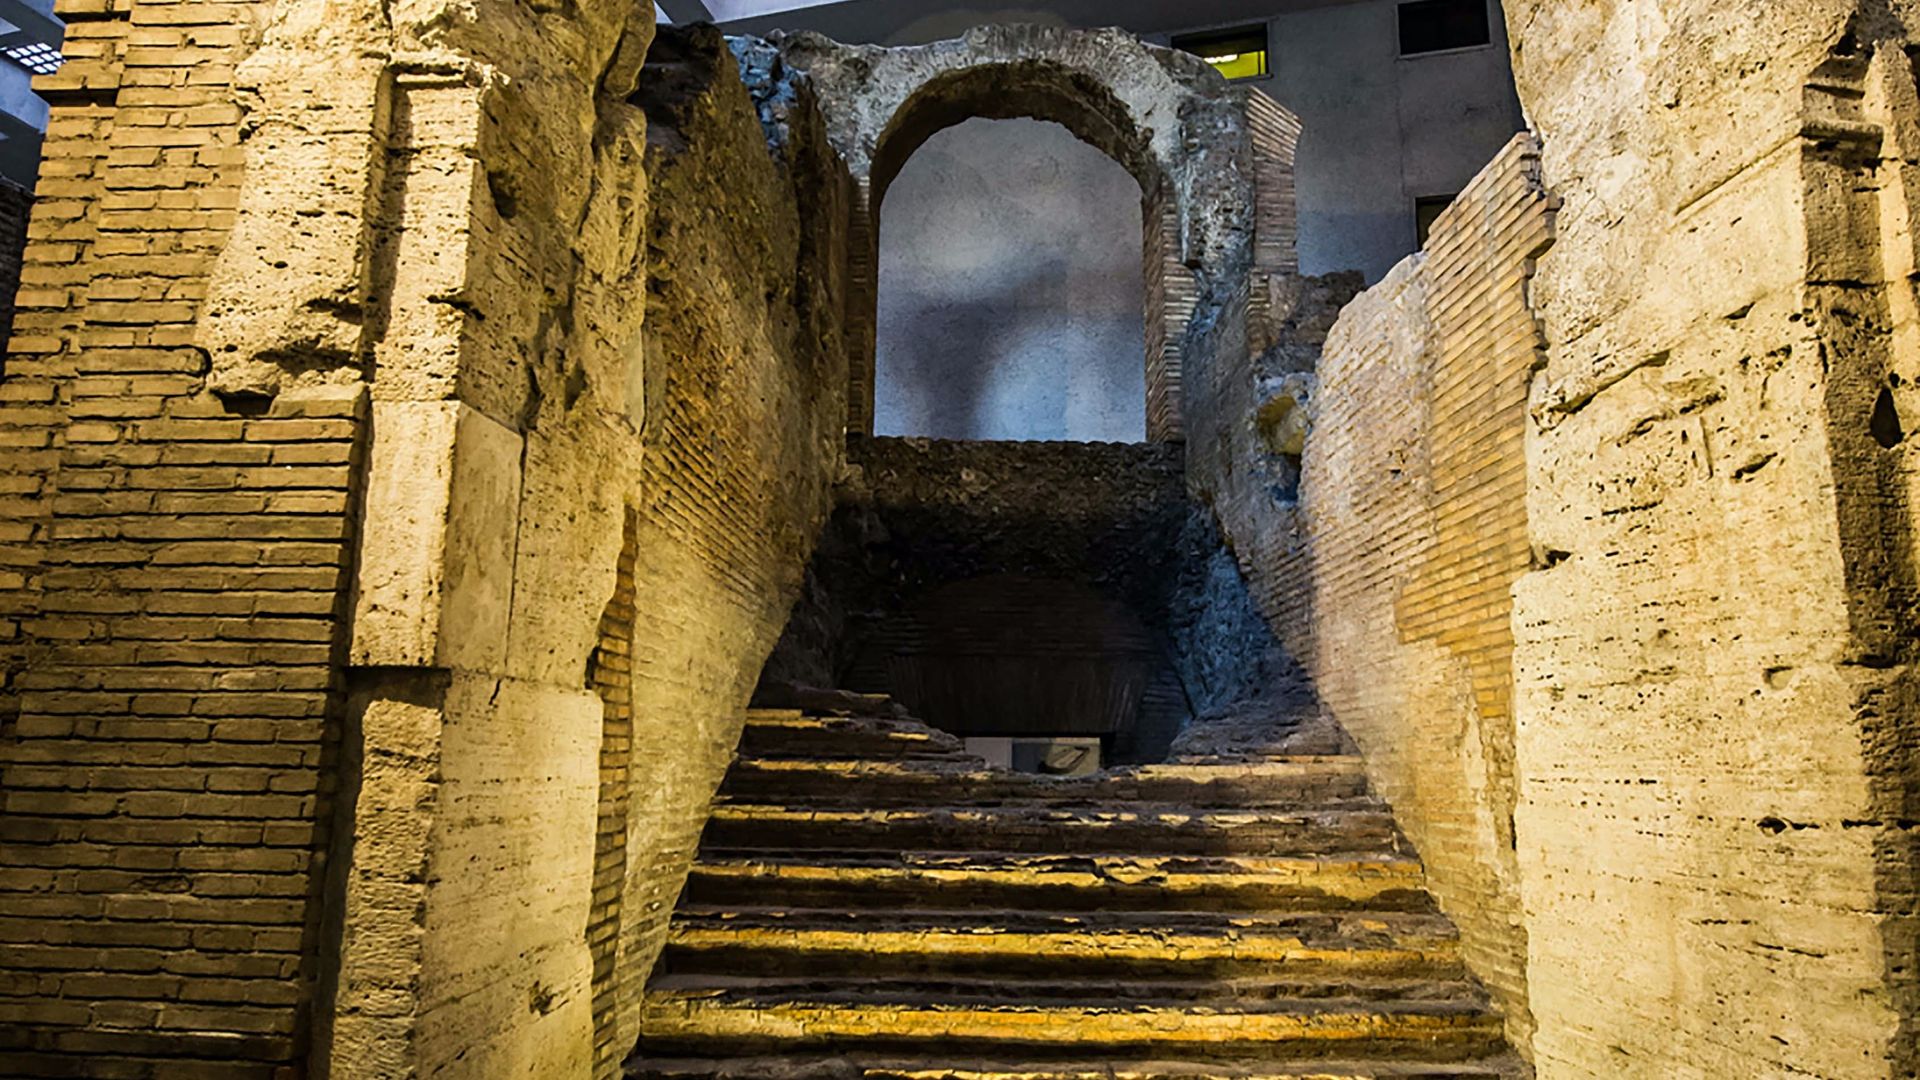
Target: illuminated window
[
  {"x": 1240, "y": 53},
  {"x": 37, "y": 57},
  {"x": 1429, "y": 26}
]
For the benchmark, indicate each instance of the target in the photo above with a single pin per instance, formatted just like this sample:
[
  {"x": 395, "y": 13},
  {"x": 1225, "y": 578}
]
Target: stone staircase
[{"x": 871, "y": 902}]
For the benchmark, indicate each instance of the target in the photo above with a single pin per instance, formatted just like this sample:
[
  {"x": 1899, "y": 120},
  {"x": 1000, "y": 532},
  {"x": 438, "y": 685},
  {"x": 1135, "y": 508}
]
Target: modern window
[
  {"x": 1430, "y": 26},
  {"x": 1238, "y": 53}
]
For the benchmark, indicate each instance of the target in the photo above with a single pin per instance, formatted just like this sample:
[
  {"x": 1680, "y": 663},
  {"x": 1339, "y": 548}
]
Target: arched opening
[
  {"x": 1016, "y": 304},
  {"x": 1011, "y": 299}
]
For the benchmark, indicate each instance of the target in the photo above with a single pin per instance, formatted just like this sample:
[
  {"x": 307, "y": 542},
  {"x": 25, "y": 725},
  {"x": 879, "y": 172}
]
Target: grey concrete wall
[
  {"x": 1381, "y": 130},
  {"x": 1010, "y": 290}
]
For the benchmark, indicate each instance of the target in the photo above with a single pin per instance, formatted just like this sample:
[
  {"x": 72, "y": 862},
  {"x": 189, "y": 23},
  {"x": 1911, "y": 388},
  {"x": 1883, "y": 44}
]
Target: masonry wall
[
  {"x": 1384, "y": 557},
  {"x": 1708, "y": 756},
  {"x": 16, "y": 204},
  {"x": 328, "y": 460},
  {"x": 171, "y": 621},
  {"x": 1713, "y": 657}
]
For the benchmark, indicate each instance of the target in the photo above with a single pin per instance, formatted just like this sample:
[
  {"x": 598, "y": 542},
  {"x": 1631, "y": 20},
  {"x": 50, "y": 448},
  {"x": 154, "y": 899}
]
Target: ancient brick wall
[
  {"x": 431, "y": 304},
  {"x": 1196, "y": 171},
  {"x": 171, "y": 616},
  {"x": 16, "y": 203},
  {"x": 743, "y": 441},
  {"x": 1388, "y": 572}
]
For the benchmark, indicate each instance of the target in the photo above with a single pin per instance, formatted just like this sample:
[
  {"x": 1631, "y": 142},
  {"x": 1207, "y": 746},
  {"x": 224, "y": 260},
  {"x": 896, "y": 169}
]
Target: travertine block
[{"x": 438, "y": 538}]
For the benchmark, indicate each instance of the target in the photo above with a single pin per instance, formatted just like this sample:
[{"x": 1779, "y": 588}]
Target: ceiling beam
[{"x": 683, "y": 12}]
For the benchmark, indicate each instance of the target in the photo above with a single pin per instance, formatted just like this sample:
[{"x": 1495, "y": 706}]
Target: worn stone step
[
  {"x": 1064, "y": 882},
  {"x": 708, "y": 1022},
  {"x": 836, "y": 1066},
  {"x": 1309, "y": 781},
  {"x": 875, "y": 987},
  {"x": 784, "y": 733},
  {"x": 1074, "y": 830},
  {"x": 764, "y": 943}
]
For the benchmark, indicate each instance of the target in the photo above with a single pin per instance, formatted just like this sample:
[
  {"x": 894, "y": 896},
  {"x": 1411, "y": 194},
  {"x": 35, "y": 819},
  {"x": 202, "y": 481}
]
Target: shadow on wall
[{"x": 1010, "y": 290}]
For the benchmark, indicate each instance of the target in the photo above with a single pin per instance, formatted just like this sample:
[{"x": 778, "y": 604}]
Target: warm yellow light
[{"x": 1240, "y": 65}]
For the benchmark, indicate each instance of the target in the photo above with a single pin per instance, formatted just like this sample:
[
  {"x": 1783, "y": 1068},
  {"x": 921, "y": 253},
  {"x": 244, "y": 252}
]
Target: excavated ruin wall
[
  {"x": 1713, "y": 661},
  {"x": 1113, "y": 518},
  {"x": 1198, "y": 146},
  {"x": 1384, "y": 557},
  {"x": 1708, "y": 755},
  {"x": 323, "y": 450}
]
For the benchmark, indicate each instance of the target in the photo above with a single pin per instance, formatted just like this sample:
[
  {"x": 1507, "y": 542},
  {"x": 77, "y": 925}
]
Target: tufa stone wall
[
  {"x": 326, "y": 448},
  {"x": 1388, "y": 568},
  {"x": 1714, "y": 657},
  {"x": 954, "y": 521}
]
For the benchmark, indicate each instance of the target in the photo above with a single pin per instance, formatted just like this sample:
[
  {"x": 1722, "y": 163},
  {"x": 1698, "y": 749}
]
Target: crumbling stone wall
[
  {"x": 1167, "y": 117},
  {"x": 327, "y": 441},
  {"x": 1711, "y": 779},
  {"x": 1386, "y": 514},
  {"x": 925, "y": 516},
  {"x": 1713, "y": 659}
]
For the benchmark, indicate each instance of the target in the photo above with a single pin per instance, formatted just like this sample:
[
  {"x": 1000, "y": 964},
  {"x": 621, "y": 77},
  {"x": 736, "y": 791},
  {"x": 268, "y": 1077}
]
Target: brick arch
[
  {"x": 1214, "y": 163},
  {"x": 1029, "y": 88}
]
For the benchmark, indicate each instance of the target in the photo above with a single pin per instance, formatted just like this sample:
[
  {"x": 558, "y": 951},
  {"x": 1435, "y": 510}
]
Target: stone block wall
[
  {"x": 1605, "y": 558},
  {"x": 325, "y": 453},
  {"x": 1714, "y": 656}
]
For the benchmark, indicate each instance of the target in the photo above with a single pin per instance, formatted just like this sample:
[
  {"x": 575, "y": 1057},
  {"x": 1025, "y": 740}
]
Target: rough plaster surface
[{"x": 1010, "y": 290}]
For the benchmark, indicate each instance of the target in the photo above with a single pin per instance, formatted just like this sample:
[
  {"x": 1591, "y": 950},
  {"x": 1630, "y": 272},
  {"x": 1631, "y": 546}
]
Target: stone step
[
  {"x": 743, "y": 827},
  {"x": 1308, "y": 781},
  {"x": 790, "y": 733},
  {"x": 1074, "y": 987},
  {"x": 767, "y": 943},
  {"x": 1064, "y": 882},
  {"x": 836, "y": 1066},
  {"x": 716, "y": 1022}
]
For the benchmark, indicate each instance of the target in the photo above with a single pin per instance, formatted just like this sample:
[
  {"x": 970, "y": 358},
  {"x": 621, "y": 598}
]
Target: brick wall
[
  {"x": 16, "y": 204},
  {"x": 173, "y": 573},
  {"x": 1171, "y": 296},
  {"x": 209, "y": 653},
  {"x": 1390, "y": 575},
  {"x": 611, "y": 673},
  {"x": 1112, "y": 91}
]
